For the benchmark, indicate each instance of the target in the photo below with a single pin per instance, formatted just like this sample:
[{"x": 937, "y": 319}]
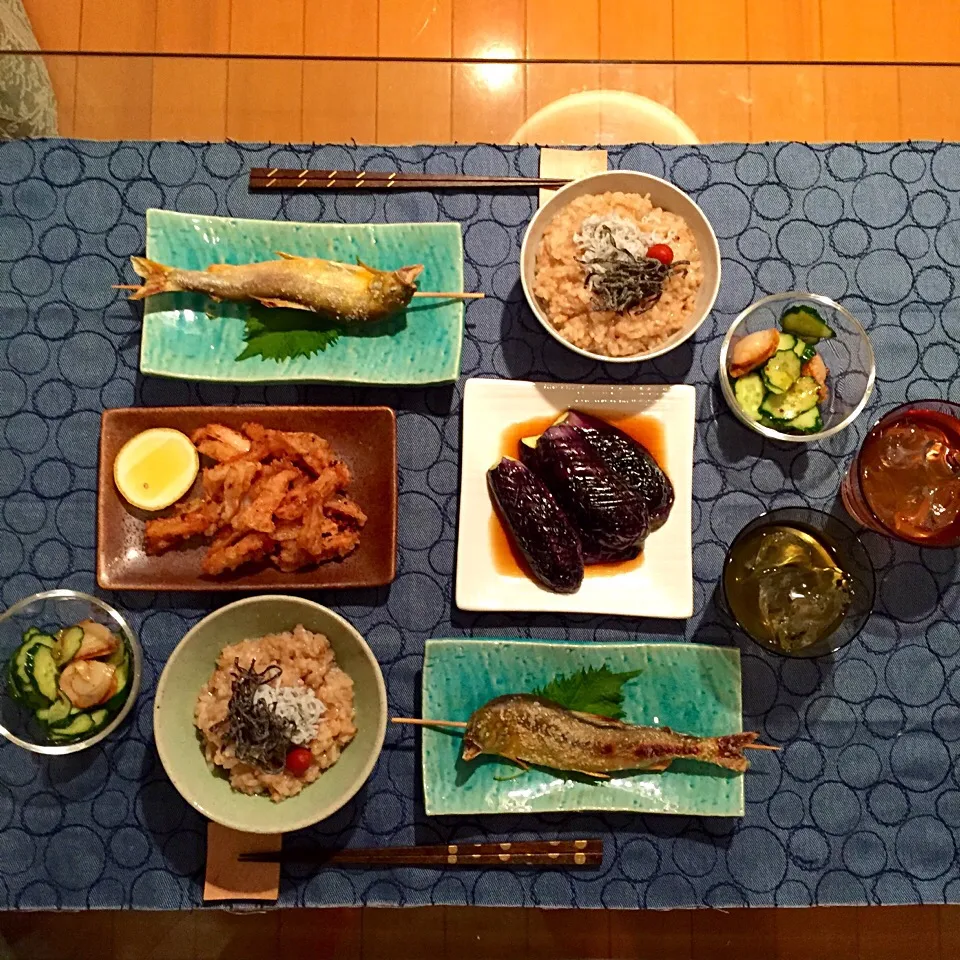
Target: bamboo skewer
[
  {"x": 450, "y": 296},
  {"x": 436, "y": 294},
  {"x": 418, "y": 722},
  {"x": 422, "y": 722}
]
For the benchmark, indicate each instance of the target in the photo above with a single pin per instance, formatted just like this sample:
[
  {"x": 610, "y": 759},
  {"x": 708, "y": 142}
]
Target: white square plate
[{"x": 662, "y": 586}]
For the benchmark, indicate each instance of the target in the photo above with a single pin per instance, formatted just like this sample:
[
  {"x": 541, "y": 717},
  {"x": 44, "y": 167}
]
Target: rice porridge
[
  {"x": 269, "y": 697},
  {"x": 562, "y": 274}
]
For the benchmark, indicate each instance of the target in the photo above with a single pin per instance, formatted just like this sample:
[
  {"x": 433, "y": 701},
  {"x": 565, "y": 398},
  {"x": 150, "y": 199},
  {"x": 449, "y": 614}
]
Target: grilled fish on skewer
[
  {"x": 354, "y": 294},
  {"x": 532, "y": 730}
]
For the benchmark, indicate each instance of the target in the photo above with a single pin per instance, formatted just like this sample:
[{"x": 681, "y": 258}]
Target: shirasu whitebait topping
[
  {"x": 299, "y": 705},
  {"x": 605, "y": 238}
]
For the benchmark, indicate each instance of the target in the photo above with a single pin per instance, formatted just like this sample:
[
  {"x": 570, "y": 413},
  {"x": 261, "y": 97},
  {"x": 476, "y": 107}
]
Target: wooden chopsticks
[
  {"x": 536, "y": 853},
  {"x": 285, "y": 178}
]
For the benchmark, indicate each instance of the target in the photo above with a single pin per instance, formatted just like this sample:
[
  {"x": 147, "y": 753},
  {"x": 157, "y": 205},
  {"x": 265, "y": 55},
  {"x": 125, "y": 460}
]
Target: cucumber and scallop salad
[
  {"x": 779, "y": 378},
  {"x": 75, "y": 680}
]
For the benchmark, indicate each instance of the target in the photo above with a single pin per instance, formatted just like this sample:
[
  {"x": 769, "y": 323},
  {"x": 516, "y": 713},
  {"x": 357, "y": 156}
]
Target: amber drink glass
[{"x": 905, "y": 481}]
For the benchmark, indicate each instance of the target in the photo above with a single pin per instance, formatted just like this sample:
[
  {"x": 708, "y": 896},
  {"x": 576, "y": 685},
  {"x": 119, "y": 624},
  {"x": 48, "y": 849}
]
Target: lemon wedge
[{"x": 156, "y": 468}]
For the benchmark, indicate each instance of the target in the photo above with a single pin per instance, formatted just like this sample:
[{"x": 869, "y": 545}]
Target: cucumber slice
[
  {"x": 781, "y": 371},
  {"x": 43, "y": 673},
  {"x": 56, "y": 712},
  {"x": 749, "y": 391},
  {"x": 76, "y": 726},
  {"x": 13, "y": 687},
  {"x": 787, "y": 342},
  {"x": 808, "y": 422},
  {"x": 68, "y": 719},
  {"x": 771, "y": 423},
  {"x": 802, "y": 396},
  {"x": 805, "y": 322},
  {"x": 100, "y": 717},
  {"x": 123, "y": 688},
  {"x": 801, "y": 347},
  {"x": 119, "y": 655},
  {"x": 67, "y": 645},
  {"x": 30, "y": 633},
  {"x": 23, "y": 674},
  {"x": 43, "y": 638}
]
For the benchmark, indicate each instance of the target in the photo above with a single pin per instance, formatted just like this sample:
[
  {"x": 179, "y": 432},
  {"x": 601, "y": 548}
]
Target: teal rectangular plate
[
  {"x": 181, "y": 340},
  {"x": 689, "y": 687}
]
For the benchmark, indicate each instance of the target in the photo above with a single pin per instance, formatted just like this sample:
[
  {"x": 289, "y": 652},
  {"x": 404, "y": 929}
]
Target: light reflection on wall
[{"x": 497, "y": 76}]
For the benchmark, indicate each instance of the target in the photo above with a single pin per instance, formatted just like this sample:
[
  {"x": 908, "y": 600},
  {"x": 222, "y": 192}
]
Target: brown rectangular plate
[{"x": 364, "y": 437}]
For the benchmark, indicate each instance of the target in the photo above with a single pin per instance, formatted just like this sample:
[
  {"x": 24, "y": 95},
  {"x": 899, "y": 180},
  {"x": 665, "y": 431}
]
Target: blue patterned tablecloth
[{"x": 862, "y": 803}]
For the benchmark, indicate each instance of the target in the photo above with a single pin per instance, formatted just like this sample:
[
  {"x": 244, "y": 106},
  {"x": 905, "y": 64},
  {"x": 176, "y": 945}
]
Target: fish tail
[
  {"x": 727, "y": 751},
  {"x": 156, "y": 278}
]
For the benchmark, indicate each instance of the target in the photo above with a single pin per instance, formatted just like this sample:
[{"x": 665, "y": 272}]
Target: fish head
[
  {"x": 408, "y": 275},
  {"x": 393, "y": 290},
  {"x": 489, "y": 731}
]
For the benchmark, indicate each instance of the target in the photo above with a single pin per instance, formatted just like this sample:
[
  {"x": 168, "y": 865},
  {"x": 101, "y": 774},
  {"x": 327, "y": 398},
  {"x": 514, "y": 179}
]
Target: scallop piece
[
  {"x": 88, "y": 682},
  {"x": 816, "y": 368},
  {"x": 753, "y": 350},
  {"x": 98, "y": 641}
]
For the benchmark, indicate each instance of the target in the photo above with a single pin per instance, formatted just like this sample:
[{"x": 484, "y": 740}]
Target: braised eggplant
[
  {"x": 612, "y": 518},
  {"x": 630, "y": 460},
  {"x": 540, "y": 529},
  {"x": 594, "y": 552}
]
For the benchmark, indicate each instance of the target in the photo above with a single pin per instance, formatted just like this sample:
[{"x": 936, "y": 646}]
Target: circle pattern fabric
[{"x": 862, "y": 802}]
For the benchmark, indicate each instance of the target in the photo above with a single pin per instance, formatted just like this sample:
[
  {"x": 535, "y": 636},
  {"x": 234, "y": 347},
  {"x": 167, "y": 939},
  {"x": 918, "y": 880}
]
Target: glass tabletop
[
  {"x": 491, "y": 99},
  {"x": 439, "y": 71}
]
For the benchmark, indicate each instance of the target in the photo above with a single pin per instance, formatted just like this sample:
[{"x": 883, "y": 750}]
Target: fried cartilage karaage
[{"x": 270, "y": 494}]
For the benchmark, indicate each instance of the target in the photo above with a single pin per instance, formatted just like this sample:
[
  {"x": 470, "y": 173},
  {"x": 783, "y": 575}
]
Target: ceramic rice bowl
[{"x": 190, "y": 666}]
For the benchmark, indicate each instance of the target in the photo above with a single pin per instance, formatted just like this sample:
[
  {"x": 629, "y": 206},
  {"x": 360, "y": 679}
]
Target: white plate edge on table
[{"x": 661, "y": 587}]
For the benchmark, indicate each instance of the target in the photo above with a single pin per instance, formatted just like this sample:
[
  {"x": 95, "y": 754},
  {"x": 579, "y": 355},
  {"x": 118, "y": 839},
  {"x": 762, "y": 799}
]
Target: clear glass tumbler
[{"x": 840, "y": 541}]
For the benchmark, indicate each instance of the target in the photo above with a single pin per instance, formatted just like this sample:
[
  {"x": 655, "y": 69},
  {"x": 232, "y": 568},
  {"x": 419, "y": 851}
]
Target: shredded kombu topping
[
  {"x": 627, "y": 283},
  {"x": 258, "y": 735},
  {"x": 618, "y": 272}
]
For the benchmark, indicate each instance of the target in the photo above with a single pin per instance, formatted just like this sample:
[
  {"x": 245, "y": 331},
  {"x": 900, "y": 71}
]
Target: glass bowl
[
  {"x": 50, "y": 611},
  {"x": 848, "y": 552},
  {"x": 848, "y": 356}
]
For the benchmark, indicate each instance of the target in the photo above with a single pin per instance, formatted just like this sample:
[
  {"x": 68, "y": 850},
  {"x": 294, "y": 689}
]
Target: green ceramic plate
[
  {"x": 692, "y": 688},
  {"x": 191, "y": 337},
  {"x": 191, "y": 664}
]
